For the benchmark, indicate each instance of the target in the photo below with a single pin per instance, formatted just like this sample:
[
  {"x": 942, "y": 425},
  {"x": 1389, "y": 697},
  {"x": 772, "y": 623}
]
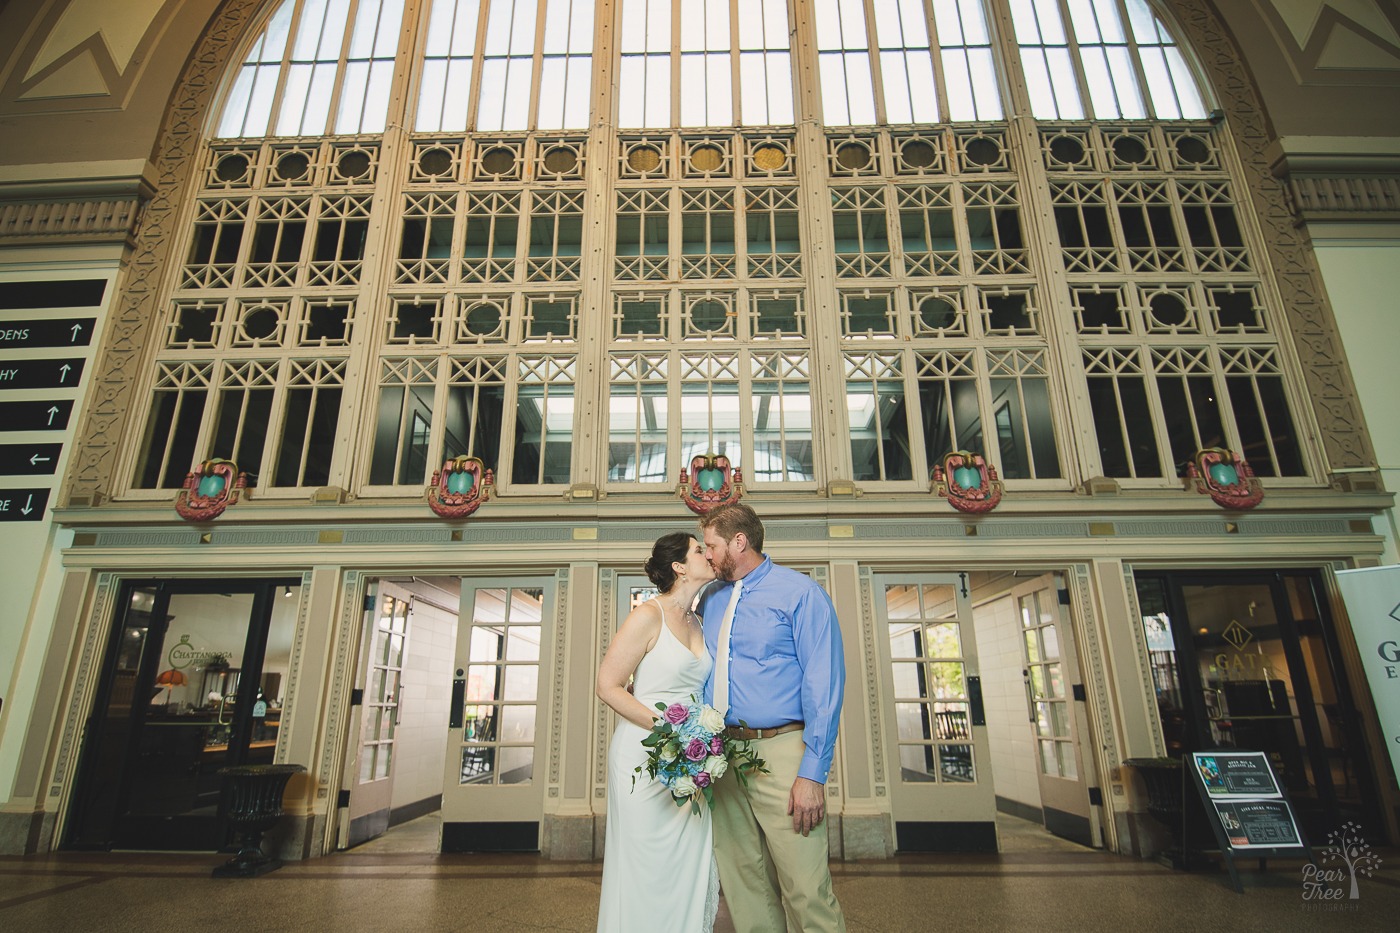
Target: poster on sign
[{"x": 1372, "y": 597}]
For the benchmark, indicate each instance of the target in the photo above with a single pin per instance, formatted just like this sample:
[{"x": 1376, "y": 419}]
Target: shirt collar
[{"x": 756, "y": 575}]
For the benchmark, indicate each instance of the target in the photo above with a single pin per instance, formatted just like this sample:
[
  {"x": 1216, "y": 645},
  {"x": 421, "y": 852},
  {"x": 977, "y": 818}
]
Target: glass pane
[
  {"x": 912, "y": 720},
  {"x": 908, "y": 680},
  {"x": 1059, "y": 720},
  {"x": 956, "y": 763},
  {"x": 1042, "y": 718},
  {"x": 947, "y": 680},
  {"x": 940, "y": 601},
  {"x": 478, "y": 764},
  {"x": 1049, "y": 760},
  {"x": 1038, "y": 680},
  {"x": 951, "y": 722},
  {"x": 1053, "y": 680},
  {"x": 526, "y": 605},
  {"x": 517, "y": 765},
  {"x": 916, "y": 763},
  {"x": 523, "y": 643},
  {"x": 486, "y": 643},
  {"x": 904, "y": 640},
  {"x": 517, "y": 724},
  {"x": 901, "y": 602},
  {"x": 1065, "y": 752},
  {"x": 1032, "y": 647},
  {"x": 367, "y": 764},
  {"x": 483, "y": 683},
  {"x": 521, "y": 683},
  {"x": 943, "y": 641},
  {"x": 1051, "y": 639}
]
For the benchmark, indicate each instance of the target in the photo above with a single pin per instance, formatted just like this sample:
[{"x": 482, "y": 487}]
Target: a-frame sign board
[{"x": 1247, "y": 808}]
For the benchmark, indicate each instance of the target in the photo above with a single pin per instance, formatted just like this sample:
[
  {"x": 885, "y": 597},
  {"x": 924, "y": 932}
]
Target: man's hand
[{"x": 806, "y": 805}]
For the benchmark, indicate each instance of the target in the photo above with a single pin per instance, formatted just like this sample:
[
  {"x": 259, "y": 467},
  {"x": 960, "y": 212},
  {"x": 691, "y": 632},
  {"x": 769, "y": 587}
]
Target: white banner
[{"x": 1372, "y": 597}]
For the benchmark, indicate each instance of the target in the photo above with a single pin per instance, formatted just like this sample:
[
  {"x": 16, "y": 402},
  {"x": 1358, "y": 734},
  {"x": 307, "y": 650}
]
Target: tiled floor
[{"x": 397, "y": 884}]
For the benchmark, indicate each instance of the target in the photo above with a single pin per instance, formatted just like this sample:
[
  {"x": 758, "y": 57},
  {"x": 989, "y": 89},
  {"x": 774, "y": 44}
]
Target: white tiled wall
[
  {"x": 1001, "y": 661},
  {"x": 427, "y": 696}
]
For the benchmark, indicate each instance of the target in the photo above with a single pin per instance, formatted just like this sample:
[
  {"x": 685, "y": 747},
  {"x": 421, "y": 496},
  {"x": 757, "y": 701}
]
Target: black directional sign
[
  {"x": 40, "y": 374},
  {"x": 28, "y": 459},
  {"x": 35, "y": 416},
  {"x": 57, "y": 332},
  {"x": 23, "y": 505}
]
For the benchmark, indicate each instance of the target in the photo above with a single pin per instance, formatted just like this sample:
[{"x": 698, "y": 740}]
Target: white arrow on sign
[
  {"x": 53, "y": 411},
  {"x": 36, "y": 460},
  {"x": 76, "y": 329},
  {"x": 26, "y": 510},
  {"x": 64, "y": 372}
]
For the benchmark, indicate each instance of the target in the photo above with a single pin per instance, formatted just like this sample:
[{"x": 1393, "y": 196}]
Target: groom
[{"x": 779, "y": 668}]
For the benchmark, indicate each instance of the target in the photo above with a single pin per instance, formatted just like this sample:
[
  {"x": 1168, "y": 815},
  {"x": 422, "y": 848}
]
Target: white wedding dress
[{"x": 658, "y": 866}]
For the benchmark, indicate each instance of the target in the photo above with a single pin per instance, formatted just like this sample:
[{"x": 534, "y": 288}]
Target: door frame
[
  {"x": 1198, "y": 735},
  {"x": 263, "y": 590}
]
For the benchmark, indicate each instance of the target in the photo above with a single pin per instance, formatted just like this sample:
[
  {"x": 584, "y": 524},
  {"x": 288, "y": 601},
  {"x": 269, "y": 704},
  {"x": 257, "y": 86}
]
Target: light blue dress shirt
[{"x": 786, "y": 663}]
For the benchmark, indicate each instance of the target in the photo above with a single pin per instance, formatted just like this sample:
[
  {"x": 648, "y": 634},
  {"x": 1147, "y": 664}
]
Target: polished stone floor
[{"x": 397, "y": 883}]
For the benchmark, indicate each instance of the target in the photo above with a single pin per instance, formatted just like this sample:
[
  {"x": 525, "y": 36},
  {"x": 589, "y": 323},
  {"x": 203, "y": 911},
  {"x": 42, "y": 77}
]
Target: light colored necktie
[{"x": 722, "y": 651}]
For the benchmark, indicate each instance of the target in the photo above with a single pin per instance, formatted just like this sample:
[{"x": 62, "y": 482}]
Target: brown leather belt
[{"x": 739, "y": 732}]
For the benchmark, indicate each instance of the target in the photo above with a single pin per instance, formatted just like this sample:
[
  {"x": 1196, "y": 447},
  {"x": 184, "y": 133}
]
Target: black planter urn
[{"x": 255, "y": 806}]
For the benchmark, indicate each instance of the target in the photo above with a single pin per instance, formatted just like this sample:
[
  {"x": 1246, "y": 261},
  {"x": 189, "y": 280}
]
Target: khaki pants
[{"x": 773, "y": 878}]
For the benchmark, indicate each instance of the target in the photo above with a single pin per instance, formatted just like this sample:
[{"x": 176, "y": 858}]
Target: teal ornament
[
  {"x": 460, "y": 482},
  {"x": 711, "y": 479},
  {"x": 968, "y": 477},
  {"x": 1223, "y": 474},
  {"x": 212, "y": 485}
]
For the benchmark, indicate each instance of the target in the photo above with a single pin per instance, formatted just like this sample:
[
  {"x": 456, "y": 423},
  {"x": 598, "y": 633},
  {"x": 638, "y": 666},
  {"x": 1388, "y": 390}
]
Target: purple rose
[
  {"x": 696, "y": 749},
  {"x": 676, "y": 714},
  {"x": 717, "y": 745},
  {"x": 702, "y": 779}
]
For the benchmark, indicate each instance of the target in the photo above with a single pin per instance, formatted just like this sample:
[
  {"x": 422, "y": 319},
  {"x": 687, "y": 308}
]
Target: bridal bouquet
[{"x": 687, "y": 751}]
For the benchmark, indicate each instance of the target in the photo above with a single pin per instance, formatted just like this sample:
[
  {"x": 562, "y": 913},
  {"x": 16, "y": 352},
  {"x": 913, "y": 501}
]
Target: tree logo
[{"x": 1346, "y": 846}]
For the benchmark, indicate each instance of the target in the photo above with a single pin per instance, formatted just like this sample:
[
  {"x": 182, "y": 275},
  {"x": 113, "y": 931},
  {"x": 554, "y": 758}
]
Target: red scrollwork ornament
[
  {"x": 209, "y": 489},
  {"x": 967, "y": 482},
  {"x": 710, "y": 482},
  {"x": 1226, "y": 477}
]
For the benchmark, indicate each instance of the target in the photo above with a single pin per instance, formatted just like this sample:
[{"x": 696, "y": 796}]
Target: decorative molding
[
  {"x": 115, "y": 373},
  {"x": 42, "y": 223},
  {"x": 1344, "y": 197},
  {"x": 84, "y": 685},
  {"x": 342, "y": 681},
  {"x": 607, "y": 620},
  {"x": 872, "y": 678},
  {"x": 1088, "y": 634},
  {"x": 1344, "y": 439},
  {"x": 1144, "y": 664},
  {"x": 556, "y": 703},
  {"x": 294, "y": 670}
]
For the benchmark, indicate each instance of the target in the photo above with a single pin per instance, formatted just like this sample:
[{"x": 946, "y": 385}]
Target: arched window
[
  {"x": 319, "y": 67},
  {"x": 1101, "y": 60}
]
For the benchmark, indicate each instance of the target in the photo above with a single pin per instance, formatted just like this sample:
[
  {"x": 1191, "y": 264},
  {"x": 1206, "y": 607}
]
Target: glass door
[
  {"x": 941, "y": 784},
  {"x": 491, "y": 800},
  {"x": 1058, "y": 719},
  {"x": 1249, "y": 661},
  {"x": 192, "y": 683}
]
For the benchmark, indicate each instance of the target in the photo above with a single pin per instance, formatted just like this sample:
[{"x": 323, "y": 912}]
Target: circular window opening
[
  {"x": 982, "y": 151},
  {"x": 560, "y": 160},
  {"x": 1067, "y": 150},
  {"x": 498, "y": 160},
  {"x": 231, "y": 167},
  {"x": 644, "y": 159},
  {"x": 1130, "y": 149},
  {"x": 917, "y": 153},
  {"x": 769, "y": 158},
  {"x": 354, "y": 164},
  {"x": 260, "y": 323},
  {"x": 853, "y": 156},
  {"x": 1169, "y": 310},
  {"x": 1193, "y": 149},
  {"x": 938, "y": 313},
  {"x": 708, "y": 315},
  {"x": 292, "y": 166},
  {"x": 435, "y": 161},
  {"x": 706, "y": 158},
  {"x": 483, "y": 319}
]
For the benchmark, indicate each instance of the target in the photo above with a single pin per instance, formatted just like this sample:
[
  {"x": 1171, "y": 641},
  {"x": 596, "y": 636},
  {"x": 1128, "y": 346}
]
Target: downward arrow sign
[{"x": 26, "y": 510}]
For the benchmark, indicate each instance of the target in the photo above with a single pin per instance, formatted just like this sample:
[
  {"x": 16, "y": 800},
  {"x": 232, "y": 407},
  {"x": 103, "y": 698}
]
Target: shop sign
[{"x": 1372, "y": 597}]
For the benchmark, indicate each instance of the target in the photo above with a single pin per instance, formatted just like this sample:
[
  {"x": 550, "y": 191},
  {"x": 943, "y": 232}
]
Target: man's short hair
[{"x": 732, "y": 519}]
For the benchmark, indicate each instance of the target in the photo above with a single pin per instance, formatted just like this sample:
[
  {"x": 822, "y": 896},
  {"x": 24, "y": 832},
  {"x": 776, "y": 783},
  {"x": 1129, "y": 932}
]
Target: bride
[{"x": 658, "y": 872}]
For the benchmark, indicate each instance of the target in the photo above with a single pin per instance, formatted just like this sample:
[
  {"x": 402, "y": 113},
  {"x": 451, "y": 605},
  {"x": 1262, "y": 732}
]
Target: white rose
[
  {"x": 711, "y": 720},
  {"x": 716, "y": 765},
  {"x": 668, "y": 752},
  {"x": 684, "y": 786}
]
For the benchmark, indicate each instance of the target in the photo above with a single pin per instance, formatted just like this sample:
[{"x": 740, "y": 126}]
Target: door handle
[{"x": 1030, "y": 697}]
